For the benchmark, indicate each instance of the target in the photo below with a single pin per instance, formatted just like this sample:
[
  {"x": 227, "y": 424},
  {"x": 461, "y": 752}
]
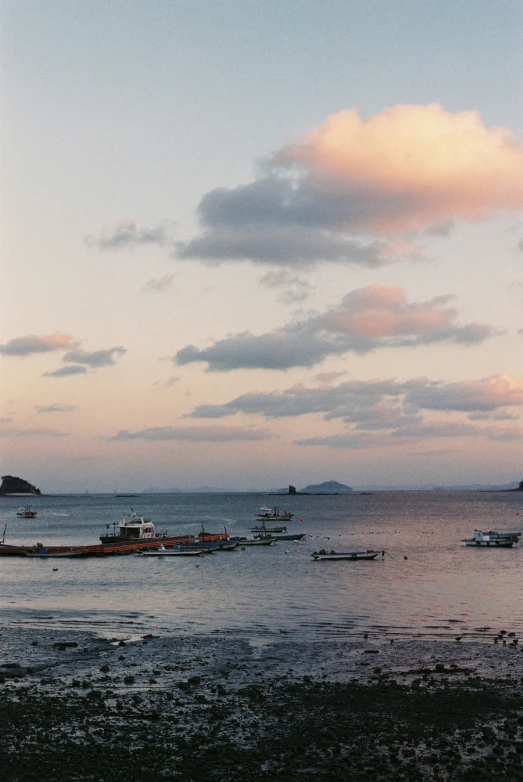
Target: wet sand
[{"x": 219, "y": 707}]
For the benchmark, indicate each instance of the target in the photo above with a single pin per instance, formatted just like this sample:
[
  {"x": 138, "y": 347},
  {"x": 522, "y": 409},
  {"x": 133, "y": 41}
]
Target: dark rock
[
  {"x": 14, "y": 485},
  {"x": 195, "y": 680}
]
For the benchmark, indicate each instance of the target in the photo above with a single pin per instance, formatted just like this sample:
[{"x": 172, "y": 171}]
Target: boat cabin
[{"x": 131, "y": 528}]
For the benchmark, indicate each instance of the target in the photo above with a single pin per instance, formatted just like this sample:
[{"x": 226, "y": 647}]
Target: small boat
[
  {"x": 26, "y": 512},
  {"x": 352, "y": 555},
  {"x": 504, "y": 535},
  {"x": 175, "y": 551},
  {"x": 273, "y": 514},
  {"x": 297, "y": 536},
  {"x": 256, "y": 541},
  {"x": 268, "y": 530},
  {"x": 212, "y": 545},
  {"x": 43, "y": 553},
  {"x": 131, "y": 528},
  {"x": 491, "y": 539},
  {"x": 212, "y": 537}
]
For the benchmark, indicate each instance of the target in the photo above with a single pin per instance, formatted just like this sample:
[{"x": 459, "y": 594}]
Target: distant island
[
  {"x": 17, "y": 487},
  {"x": 328, "y": 487}
]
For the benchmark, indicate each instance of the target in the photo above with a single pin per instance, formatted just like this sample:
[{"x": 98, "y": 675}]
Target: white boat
[
  {"x": 491, "y": 539},
  {"x": 131, "y": 528},
  {"x": 261, "y": 541},
  {"x": 352, "y": 555},
  {"x": 161, "y": 551},
  {"x": 26, "y": 512},
  {"x": 273, "y": 514}
]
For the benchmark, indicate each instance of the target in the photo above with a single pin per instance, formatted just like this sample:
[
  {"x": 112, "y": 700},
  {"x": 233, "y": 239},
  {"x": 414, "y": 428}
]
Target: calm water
[{"x": 429, "y": 583}]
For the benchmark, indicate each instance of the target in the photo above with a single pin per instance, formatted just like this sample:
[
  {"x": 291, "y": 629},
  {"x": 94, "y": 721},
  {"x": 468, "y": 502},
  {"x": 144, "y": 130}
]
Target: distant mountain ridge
[{"x": 193, "y": 490}]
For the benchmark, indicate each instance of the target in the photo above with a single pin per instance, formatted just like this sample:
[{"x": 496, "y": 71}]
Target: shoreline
[{"x": 77, "y": 707}]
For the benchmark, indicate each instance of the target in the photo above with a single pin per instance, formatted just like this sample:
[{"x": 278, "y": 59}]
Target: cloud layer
[
  {"x": 212, "y": 434},
  {"x": 365, "y": 319},
  {"x": 33, "y": 343},
  {"x": 394, "y": 410},
  {"x": 342, "y": 192}
]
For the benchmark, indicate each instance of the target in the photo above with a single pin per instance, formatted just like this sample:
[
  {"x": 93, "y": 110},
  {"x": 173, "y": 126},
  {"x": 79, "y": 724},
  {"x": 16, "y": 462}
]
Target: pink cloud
[
  {"x": 483, "y": 395},
  {"x": 377, "y": 311},
  {"x": 33, "y": 343},
  {"x": 413, "y": 166}
]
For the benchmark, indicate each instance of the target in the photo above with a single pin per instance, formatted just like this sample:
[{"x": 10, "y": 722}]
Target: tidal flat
[{"x": 225, "y": 707}]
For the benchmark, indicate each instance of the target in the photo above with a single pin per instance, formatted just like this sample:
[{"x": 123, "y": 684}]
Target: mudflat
[{"x": 220, "y": 707}]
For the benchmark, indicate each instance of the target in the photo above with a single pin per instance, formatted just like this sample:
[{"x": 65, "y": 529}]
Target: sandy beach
[{"x": 219, "y": 707}]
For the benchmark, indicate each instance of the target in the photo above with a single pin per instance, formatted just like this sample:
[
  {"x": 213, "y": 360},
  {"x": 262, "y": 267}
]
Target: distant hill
[{"x": 328, "y": 487}]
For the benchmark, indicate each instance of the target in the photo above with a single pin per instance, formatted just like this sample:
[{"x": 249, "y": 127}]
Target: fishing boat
[
  {"x": 296, "y": 536},
  {"x": 491, "y": 539},
  {"x": 273, "y": 514},
  {"x": 26, "y": 512},
  {"x": 212, "y": 537},
  {"x": 352, "y": 555},
  {"x": 94, "y": 550},
  {"x": 211, "y": 545},
  {"x": 264, "y": 530},
  {"x": 131, "y": 528},
  {"x": 174, "y": 551},
  {"x": 44, "y": 554},
  {"x": 256, "y": 541},
  {"x": 503, "y": 535}
]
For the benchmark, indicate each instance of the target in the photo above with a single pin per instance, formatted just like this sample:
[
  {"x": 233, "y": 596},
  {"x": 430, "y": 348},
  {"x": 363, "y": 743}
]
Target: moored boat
[
  {"x": 256, "y": 541},
  {"x": 94, "y": 550},
  {"x": 212, "y": 545},
  {"x": 174, "y": 551},
  {"x": 296, "y": 536},
  {"x": 264, "y": 530},
  {"x": 131, "y": 528},
  {"x": 351, "y": 555},
  {"x": 491, "y": 539},
  {"x": 44, "y": 554},
  {"x": 273, "y": 514},
  {"x": 212, "y": 537}
]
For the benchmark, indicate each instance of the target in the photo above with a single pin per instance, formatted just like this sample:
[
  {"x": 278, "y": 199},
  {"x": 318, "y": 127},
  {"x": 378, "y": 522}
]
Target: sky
[{"x": 256, "y": 243}]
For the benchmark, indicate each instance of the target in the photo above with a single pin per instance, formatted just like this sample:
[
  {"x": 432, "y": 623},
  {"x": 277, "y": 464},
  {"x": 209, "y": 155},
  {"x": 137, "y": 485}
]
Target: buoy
[{"x": 301, "y": 518}]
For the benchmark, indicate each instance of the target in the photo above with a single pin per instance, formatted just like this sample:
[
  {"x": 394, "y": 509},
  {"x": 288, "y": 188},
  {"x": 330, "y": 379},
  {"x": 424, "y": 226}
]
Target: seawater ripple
[{"x": 428, "y": 583}]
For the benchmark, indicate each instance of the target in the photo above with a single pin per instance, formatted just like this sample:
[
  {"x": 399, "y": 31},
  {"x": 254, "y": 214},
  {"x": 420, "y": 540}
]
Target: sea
[{"x": 428, "y": 583}]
